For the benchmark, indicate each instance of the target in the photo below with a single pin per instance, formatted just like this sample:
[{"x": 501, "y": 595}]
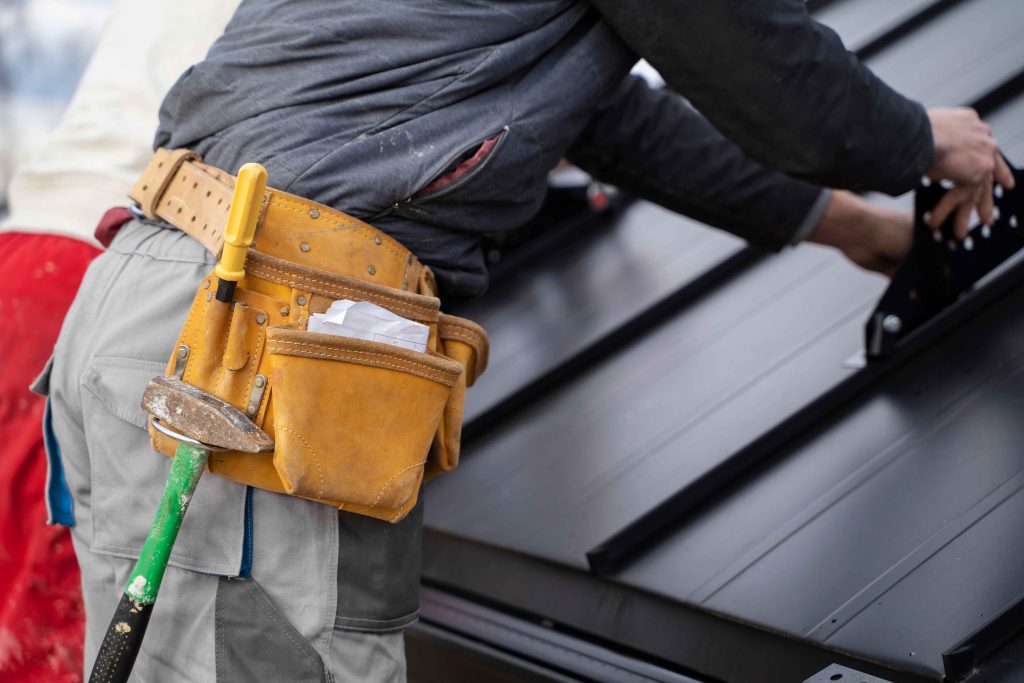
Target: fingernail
[{"x": 928, "y": 218}]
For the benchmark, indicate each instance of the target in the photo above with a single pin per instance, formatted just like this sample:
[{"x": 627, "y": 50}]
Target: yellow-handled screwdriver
[{"x": 241, "y": 228}]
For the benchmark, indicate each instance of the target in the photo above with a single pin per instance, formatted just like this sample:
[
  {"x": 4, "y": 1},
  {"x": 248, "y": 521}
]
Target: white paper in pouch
[{"x": 364, "y": 320}]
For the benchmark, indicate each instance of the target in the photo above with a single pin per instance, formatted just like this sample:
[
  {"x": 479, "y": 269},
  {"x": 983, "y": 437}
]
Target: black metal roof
[{"x": 673, "y": 458}]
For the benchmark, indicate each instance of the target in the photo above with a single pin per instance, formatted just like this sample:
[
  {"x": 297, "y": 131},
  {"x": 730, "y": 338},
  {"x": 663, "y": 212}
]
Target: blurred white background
[{"x": 44, "y": 46}]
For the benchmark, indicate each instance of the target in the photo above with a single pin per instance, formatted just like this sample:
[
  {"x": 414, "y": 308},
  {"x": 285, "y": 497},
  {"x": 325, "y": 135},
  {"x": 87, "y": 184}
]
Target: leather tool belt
[{"x": 357, "y": 424}]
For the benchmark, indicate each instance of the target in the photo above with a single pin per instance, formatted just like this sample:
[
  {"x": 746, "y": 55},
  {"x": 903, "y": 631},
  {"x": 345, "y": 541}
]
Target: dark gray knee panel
[{"x": 256, "y": 643}]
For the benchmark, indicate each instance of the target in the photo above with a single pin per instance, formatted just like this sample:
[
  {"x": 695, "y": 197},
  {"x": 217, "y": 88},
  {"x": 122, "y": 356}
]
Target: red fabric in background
[{"x": 41, "y": 618}]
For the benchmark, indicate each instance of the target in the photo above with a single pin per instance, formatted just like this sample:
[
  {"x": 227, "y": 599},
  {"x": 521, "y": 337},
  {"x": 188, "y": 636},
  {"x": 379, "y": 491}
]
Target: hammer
[{"x": 202, "y": 423}]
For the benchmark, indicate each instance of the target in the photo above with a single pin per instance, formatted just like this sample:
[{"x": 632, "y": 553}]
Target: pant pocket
[
  {"x": 127, "y": 478},
  {"x": 255, "y": 642},
  {"x": 353, "y": 420}
]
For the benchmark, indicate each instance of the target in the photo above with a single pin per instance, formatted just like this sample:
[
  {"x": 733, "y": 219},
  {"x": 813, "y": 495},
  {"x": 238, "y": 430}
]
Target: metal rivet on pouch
[
  {"x": 251, "y": 410},
  {"x": 182, "y": 352},
  {"x": 209, "y": 296},
  {"x": 304, "y": 246},
  {"x": 260, "y": 381},
  {"x": 301, "y": 300},
  {"x": 260, "y": 318},
  {"x": 314, "y": 213},
  {"x": 371, "y": 270},
  {"x": 377, "y": 240},
  {"x": 283, "y": 310},
  {"x": 206, "y": 284}
]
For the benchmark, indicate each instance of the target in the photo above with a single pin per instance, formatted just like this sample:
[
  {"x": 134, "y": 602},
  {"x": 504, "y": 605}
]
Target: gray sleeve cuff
[{"x": 813, "y": 217}]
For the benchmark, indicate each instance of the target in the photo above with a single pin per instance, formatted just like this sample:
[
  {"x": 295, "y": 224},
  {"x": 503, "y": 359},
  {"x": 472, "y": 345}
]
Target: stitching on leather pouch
[
  {"x": 393, "y": 477},
  {"x": 425, "y": 375},
  {"x": 254, "y": 359},
  {"x": 316, "y": 460},
  {"x": 297, "y": 207},
  {"x": 469, "y": 338},
  {"x": 297, "y": 281},
  {"x": 376, "y": 356},
  {"x": 449, "y": 324},
  {"x": 187, "y": 337}
]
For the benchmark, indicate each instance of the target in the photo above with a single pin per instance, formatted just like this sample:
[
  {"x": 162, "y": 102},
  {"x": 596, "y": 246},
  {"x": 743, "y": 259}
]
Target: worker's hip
[
  {"x": 325, "y": 571},
  {"x": 357, "y": 423}
]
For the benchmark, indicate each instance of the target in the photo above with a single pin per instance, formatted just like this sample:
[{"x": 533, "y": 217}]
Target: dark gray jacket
[{"x": 361, "y": 105}]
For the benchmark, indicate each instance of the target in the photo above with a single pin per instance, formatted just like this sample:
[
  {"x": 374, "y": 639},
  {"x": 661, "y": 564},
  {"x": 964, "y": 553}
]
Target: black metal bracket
[
  {"x": 939, "y": 269},
  {"x": 960, "y": 660}
]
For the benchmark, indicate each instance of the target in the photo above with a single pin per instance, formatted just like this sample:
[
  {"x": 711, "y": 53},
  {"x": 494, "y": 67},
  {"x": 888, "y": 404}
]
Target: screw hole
[
  {"x": 835, "y": 677},
  {"x": 179, "y": 209},
  {"x": 207, "y": 193},
  {"x": 145, "y": 187},
  {"x": 193, "y": 219}
]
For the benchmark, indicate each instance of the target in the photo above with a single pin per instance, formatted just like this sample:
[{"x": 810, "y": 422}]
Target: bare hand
[
  {"x": 873, "y": 237},
  {"x": 966, "y": 154}
]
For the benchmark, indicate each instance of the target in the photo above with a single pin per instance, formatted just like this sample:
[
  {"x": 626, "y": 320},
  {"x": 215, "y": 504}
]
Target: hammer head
[{"x": 203, "y": 417}]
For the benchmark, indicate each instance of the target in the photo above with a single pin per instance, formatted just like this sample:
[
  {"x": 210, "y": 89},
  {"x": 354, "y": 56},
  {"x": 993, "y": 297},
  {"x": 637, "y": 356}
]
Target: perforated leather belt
[{"x": 194, "y": 197}]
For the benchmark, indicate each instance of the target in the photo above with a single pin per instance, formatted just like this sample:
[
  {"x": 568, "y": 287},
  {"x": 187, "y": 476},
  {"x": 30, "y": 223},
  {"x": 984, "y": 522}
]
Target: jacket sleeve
[
  {"x": 652, "y": 144},
  {"x": 782, "y": 87}
]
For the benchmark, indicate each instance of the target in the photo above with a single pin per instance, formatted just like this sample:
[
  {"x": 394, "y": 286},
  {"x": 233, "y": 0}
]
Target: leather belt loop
[{"x": 161, "y": 170}]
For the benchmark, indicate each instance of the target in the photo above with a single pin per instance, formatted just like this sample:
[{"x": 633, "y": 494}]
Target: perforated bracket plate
[
  {"x": 837, "y": 673},
  {"x": 939, "y": 269}
]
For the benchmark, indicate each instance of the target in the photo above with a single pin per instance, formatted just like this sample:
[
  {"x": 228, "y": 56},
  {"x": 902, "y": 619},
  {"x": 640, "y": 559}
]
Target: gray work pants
[{"x": 262, "y": 586}]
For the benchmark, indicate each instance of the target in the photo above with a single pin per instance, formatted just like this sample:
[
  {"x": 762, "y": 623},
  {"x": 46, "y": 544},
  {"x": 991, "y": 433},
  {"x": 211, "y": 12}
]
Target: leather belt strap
[{"x": 178, "y": 188}]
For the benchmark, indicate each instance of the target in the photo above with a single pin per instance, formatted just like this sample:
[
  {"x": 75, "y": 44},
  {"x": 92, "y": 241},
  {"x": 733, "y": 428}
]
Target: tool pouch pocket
[
  {"x": 354, "y": 419},
  {"x": 356, "y": 424}
]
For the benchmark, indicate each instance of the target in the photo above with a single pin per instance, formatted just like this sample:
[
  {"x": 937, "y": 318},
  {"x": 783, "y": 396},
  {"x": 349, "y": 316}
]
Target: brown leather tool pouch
[
  {"x": 357, "y": 424},
  {"x": 354, "y": 419}
]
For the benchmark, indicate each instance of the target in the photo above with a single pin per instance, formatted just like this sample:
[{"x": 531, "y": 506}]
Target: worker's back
[{"x": 361, "y": 105}]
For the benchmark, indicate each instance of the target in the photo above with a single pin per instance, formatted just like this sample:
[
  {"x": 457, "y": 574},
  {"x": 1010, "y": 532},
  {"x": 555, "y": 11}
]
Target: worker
[{"x": 437, "y": 123}]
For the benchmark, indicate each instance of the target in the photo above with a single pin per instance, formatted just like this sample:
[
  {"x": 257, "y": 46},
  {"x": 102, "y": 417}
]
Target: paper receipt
[{"x": 364, "y": 320}]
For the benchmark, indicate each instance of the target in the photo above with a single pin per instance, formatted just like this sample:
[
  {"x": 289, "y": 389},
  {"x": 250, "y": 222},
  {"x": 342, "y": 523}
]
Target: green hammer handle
[{"x": 124, "y": 636}]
